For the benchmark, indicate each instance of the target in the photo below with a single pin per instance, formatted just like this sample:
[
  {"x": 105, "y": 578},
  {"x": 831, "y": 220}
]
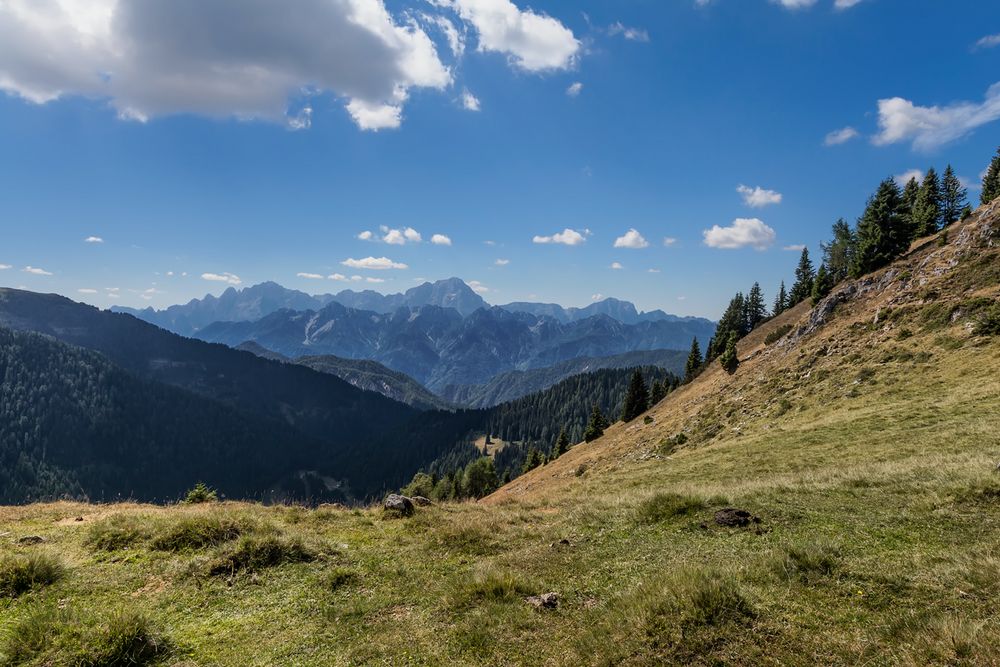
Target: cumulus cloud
[
  {"x": 841, "y": 136},
  {"x": 744, "y": 232},
  {"x": 617, "y": 266},
  {"x": 795, "y": 4},
  {"x": 400, "y": 236},
  {"x": 502, "y": 262},
  {"x": 87, "y": 290},
  {"x": 441, "y": 239},
  {"x": 533, "y": 42},
  {"x": 374, "y": 264},
  {"x": 342, "y": 278},
  {"x": 228, "y": 278},
  {"x": 596, "y": 297},
  {"x": 631, "y": 34},
  {"x": 796, "y": 247},
  {"x": 632, "y": 239},
  {"x": 469, "y": 101},
  {"x": 988, "y": 42},
  {"x": 565, "y": 237},
  {"x": 34, "y": 270},
  {"x": 4, "y": 267},
  {"x": 845, "y": 4},
  {"x": 926, "y": 128},
  {"x": 366, "y": 236},
  {"x": 669, "y": 241},
  {"x": 93, "y": 239},
  {"x": 310, "y": 276},
  {"x": 904, "y": 178},
  {"x": 374, "y": 280},
  {"x": 574, "y": 89},
  {"x": 478, "y": 287},
  {"x": 224, "y": 58},
  {"x": 758, "y": 197}
]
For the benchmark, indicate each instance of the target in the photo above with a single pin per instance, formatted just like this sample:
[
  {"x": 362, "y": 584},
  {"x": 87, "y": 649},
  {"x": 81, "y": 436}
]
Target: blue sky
[{"x": 169, "y": 149}]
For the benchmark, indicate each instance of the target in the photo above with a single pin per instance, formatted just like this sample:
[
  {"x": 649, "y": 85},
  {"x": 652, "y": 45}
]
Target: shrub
[
  {"x": 20, "y": 574},
  {"x": 200, "y": 494},
  {"x": 664, "y": 506},
  {"x": 198, "y": 533},
  {"x": 253, "y": 554},
  {"x": 988, "y": 322},
  {"x": 115, "y": 533},
  {"x": 647, "y": 420}
]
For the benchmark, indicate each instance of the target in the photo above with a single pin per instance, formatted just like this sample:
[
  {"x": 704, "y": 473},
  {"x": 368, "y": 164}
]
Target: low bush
[
  {"x": 20, "y": 574},
  {"x": 777, "y": 334}
]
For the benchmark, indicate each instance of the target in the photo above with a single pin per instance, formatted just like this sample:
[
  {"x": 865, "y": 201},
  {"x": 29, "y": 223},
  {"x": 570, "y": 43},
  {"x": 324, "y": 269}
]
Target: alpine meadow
[{"x": 474, "y": 332}]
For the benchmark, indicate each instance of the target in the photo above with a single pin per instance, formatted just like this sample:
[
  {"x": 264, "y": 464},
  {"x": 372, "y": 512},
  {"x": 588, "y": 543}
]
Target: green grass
[{"x": 21, "y": 574}]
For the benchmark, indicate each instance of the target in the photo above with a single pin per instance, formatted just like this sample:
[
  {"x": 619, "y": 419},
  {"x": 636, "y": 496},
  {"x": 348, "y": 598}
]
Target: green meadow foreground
[{"x": 864, "y": 435}]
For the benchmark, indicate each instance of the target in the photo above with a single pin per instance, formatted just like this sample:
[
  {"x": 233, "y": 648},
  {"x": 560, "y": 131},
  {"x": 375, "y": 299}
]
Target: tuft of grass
[
  {"x": 255, "y": 553},
  {"x": 807, "y": 562},
  {"x": 117, "y": 532},
  {"x": 491, "y": 586},
  {"x": 20, "y": 574},
  {"x": 665, "y": 506},
  {"x": 198, "y": 532},
  {"x": 339, "y": 577}
]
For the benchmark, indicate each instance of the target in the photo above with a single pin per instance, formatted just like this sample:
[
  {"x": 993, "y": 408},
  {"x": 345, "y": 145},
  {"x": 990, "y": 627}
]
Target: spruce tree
[
  {"x": 780, "y": 301},
  {"x": 927, "y": 210},
  {"x": 804, "y": 276},
  {"x": 694, "y": 362},
  {"x": 532, "y": 460},
  {"x": 733, "y": 319},
  {"x": 822, "y": 285},
  {"x": 562, "y": 444},
  {"x": 991, "y": 181},
  {"x": 596, "y": 425},
  {"x": 882, "y": 233},
  {"x": 729, "y": 359},
  {"x": 657, "y": 392},
  {"x": 838, "y": 253},
  {"x": 755, "y": 307},
  {"x": 953, "y": 197},
  {"x": 636, "y": 399},
  {"x": 909, "y": 204}
]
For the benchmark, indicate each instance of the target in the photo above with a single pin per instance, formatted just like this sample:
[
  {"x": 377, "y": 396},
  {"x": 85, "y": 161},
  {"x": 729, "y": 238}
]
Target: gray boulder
[{"x": 397, "y": 503}]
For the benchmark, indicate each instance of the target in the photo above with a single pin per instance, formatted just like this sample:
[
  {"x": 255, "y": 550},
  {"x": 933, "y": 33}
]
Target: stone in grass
[
  {"x": 544, "y": 601},
  {"x": 28, "y": 540},
  {"x": 732, "y": 517},
  {"x": 421, "y": 501},
  {"x": 397, "y": 503}
]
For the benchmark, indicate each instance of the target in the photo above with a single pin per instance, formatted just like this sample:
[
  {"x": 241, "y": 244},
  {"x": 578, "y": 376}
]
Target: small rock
[
  {"x": 561, "y": 543},
  {"x": 735, "y": 518},
  {"x": 544, "y": 601},
  {"x": 31, "y": 539},
  {"x": 79, "y": 518},
  {"x": 998, "y": 467},
  {"x": 398, "y": 503},
  {"x": 421, "y": 501}
]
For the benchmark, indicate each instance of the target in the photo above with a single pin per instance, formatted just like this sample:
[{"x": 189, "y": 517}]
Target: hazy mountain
[
  {"x": 515, "y": 384},
  {"x": 438, "y": 347},
  {"x": 449, "y": 293},
  {"x": 623, "y": 311}
]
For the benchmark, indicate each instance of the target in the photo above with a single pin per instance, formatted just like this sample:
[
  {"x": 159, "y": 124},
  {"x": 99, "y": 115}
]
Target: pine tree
[
  {"x": 927, "y": 210},
  {"x": 755, "y": 307},
  {"x": 657, "y": 392},
  {"x": 733, "y": 319},
  {"x": 804, "y": 276},
  {"x": 838, "y": 253},
  {"x": 562, "y": 444},
  {"x": 882, "y": 233},
  {"x": 781, "y": 301},
  {"x": 532, "y": 460},
  {"x": 694, "y": 362},
  {"x": 822, "y": 285},
  {"x": 953, "y": 197},
  {"x": 596, "y": 425},
  {"x": 636, "y": 399},
  {"x": 909, "y": 204},
  {"x": 729, "y": 359},
  {"x": 991, "y": 181}
]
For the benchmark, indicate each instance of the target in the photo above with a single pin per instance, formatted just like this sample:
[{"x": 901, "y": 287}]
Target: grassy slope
[{"x": 867, "y": 448}]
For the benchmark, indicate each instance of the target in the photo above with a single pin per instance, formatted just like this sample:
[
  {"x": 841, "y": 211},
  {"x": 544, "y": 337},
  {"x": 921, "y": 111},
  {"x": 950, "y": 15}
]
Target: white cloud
[
  {"x": 533, "y": 42},
  {"x": 904, "y": 178},
  {"x": 795, "y": 4},
  {"x": 565, "y": 237},
  {"x": 4, "y": 267},
  {"x": 574, "y": 89},
  {"x": 845, "y": 4},
  {"x": 469, "y": 101},
  {"x": 337, "y": 276},
  {"x": 454, "y": 36},
  {"x": 795, "y": 247},
  {"x": 224, "y": 58},
  {"x": 758, "y": 197},
  {"x": 502, "y": 262},
  {"x": 478, "y": 287},
  {"x": 441, "y": 239},
  {"x": 900, "y": 120},
  {"x": 652, "y": 271},
  {"x": 310, "y": 276},
  {"x": 222, "y": 278},
  {"x": 841, "y": 136},
  {"x": 375, "y": 280},
  {"x": 596, "y": 297},
  {"x": 93, "y": 239},
  {"x": 669, "y": 241},
  {"x": 632, "y": 239},
  {"x": 489, "y": 243},
  {"x": 374, "y": 264},
  {"x": 366, "y": 236},
  {"x": 988, "y": 42},
  {"x": 617, "y": 266},
  {"x": 87, "y": 290},
  {"x": 744, "y": 232},
  {"x": 34, "y": 270},
  {"x": 631, "y": 34},
  {"x": 400, "y": 236}
]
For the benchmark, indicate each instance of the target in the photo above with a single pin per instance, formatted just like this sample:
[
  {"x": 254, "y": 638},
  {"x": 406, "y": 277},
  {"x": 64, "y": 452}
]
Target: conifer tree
[
  {"x": 882, "y": 233},
  {"x": 729, "y": 359},
  {"x": 636, "y": 399},
  {"x": 562, "y": 444},
  {"x": 733, "y": 319},
  {"x": 596, "y": 425},
  {"x": 991, "y": 181},
  {"x": 755, "y": 307},
  {"x": 927, "y": 209},
  {"x": 804, "y": 276},
  {"x": 838, "y": 253},
  {"x": 657, "y": 392},
  {"x": 822, "y": 285},
  {"x": 909, "y": 204},
  {"x": 532, "y": 460},
  {"x": 780, "y": 301},
  {"x": 953, "y": 197},
  {"x": 694, "y": 362}
]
